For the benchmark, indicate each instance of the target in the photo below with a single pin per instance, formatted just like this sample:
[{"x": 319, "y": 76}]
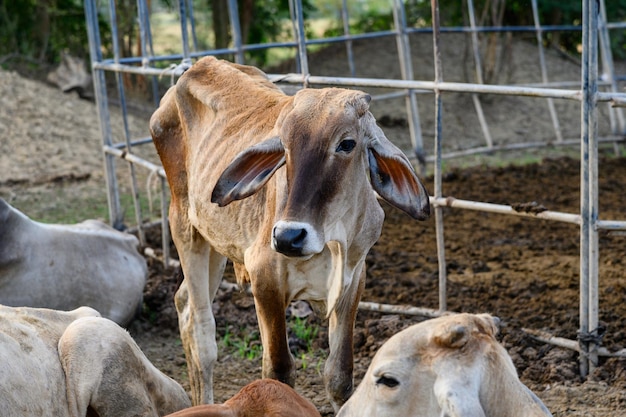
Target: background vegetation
[{"x": 39, "y": 31}]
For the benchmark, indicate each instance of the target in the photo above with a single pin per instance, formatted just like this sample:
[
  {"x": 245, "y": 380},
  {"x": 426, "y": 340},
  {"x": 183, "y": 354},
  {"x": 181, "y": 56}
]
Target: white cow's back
[
  {"x": 31, "y": 377},
  {"x": 64, "y": 267}
]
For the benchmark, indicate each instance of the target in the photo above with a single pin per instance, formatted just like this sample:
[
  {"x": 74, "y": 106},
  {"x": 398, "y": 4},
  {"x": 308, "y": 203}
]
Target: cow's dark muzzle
[{"x": 288, "y": 241}]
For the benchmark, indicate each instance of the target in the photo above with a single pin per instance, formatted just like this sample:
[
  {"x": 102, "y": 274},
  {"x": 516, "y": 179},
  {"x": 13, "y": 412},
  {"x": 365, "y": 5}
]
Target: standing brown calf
[{"x": 284, "y": 186}]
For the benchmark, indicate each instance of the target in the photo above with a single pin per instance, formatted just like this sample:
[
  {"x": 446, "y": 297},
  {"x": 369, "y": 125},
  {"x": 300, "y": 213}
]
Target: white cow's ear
[
  {"x": 248, "y": 172},
  {"x": 455, "y": 336},
  {"x": 393, "y": 178},
  {"x": 488, "y": 324}
]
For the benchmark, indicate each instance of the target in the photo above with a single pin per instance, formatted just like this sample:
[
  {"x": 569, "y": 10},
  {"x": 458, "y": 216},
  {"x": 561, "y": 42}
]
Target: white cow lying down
[
  {"x": 69, "y": 364},
  {"x": 64, "y": 267},
  {"x": 450, "y": 366}
]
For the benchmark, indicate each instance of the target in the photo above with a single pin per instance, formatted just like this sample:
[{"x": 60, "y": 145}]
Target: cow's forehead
[
  {"x": 324, "y": 112},
  {"x": 325, "y": 100},
  {"x": 422, "y": 335}
]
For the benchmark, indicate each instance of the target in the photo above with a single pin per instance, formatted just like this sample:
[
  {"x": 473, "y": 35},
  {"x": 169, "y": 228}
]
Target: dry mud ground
[{"x": 523, "y": 270}]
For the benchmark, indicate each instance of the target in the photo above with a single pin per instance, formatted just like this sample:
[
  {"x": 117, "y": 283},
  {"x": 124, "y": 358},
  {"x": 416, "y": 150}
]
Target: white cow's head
[
  {"x": 332, "y": 150},
  {"x": 449, "y": 366}
]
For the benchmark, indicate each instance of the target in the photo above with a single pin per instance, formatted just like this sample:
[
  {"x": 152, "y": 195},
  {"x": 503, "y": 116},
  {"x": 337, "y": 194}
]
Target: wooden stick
[
  {"x": 402, "y": 309},
  {"x": 546, "y": 337}
]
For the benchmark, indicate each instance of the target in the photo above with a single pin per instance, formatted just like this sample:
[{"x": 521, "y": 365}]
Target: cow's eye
[
  {"x": 387, "y": 381},
  {"x": 346, "y": 145}
]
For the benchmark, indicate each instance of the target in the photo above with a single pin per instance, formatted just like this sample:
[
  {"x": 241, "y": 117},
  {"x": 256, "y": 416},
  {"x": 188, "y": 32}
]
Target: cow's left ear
[
  {"x": 361, "y": 104},
  {"x": 394, "y": 179},
  {"x": 248, "y": 172}
]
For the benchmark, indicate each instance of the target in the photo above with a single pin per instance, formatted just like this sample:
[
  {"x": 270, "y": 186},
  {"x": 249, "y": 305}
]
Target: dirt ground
[{"x": 525, "y": 271}]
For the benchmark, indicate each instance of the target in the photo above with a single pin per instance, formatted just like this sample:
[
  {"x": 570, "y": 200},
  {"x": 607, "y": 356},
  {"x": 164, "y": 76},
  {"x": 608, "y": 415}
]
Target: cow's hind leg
[{"x": 203, "y": 268}]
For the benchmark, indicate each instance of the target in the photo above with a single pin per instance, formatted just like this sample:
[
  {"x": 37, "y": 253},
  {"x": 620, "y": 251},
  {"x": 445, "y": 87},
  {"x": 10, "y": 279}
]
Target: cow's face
[
  {"x": 432, "y": 368},
  {"x": 330, "y": 144},
  {"x": 326, "y": 169}
]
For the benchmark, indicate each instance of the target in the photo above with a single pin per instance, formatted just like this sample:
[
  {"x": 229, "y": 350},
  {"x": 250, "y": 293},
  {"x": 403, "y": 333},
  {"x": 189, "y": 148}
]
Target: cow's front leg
[
  {"x": 339, "y": 366},
  {"x": 203, "y": 269},
  {"x": 270, "y": 304}
]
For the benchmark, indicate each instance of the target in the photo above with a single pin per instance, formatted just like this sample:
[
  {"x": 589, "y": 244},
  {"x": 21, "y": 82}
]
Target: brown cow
[
  {"x": 284, "y": 187},
  {"x": 260, "y": 398}
]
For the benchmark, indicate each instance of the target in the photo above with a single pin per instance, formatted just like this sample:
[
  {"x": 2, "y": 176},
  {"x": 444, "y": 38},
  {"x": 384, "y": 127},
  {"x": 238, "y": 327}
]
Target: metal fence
[{"x": 590, "y": 91}]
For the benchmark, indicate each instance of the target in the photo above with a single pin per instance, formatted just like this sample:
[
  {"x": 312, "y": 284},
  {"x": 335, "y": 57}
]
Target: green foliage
[
  {"x": 243, "y": 343},
  {"x": 519, "y": 13},
  {"x": 42, "y": 30},
  {"x": 372, "y": 20},
  {"x": 616, "y": 12},
  {"x": 308, "y": 360},
  {"x": 270, "y": 24},
  {"x": 304, "y": 331},
  {"x": 491, "y": 13}
]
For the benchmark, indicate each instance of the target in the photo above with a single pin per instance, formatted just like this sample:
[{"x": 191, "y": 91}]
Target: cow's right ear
[{"x": 248, "y": 172}]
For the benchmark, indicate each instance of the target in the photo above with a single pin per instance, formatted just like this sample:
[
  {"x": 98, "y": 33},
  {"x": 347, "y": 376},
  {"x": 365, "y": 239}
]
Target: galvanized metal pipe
[
  {"x": 544, "y": 72},
  {"x": 439, "y": 226},
  {"x": 588, "y": 189},
  {"x": 122, "y": 97},
  {"x": 345, "y": 18},
  {"x": 301, "y": 41},
  {"x": 609, "y": 68},
  {"x": 182, "y": 10},
  {"x": 192, "y": 22},
  {"x": 517, "y": 146},
  {"x": 102, "y": 102},
  {"x": 505, "y": 209},
  {"x": 233, "y": 13},
  {"x": 479, "y": 76},
  {"x": 406, "y": 70}
]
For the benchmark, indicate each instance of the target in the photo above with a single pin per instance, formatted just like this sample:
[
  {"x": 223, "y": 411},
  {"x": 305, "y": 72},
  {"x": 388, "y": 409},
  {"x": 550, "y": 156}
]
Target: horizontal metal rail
[
  {"x": 123, "y": 154},
  {"x": 505, "y": 209},
  {"x": 518, "y": 146}
]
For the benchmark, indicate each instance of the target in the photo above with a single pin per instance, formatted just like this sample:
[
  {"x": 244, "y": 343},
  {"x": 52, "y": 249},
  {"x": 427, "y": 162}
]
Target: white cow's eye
[
  {"x": 346, "y": 145},
  {"x": 387, "y": 381}
]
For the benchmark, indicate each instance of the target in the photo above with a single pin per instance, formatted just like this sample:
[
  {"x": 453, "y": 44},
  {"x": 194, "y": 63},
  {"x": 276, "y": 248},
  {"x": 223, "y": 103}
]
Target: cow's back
[
  {"x": 31, "y": 378},
  {"x": 215, "y": 111},
  {"x": 64, "y": 267}
]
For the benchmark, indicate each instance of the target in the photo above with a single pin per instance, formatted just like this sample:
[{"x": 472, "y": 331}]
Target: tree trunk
[
  {"x": 246, "y": 13},
  {"x": 221, "y": 23}
]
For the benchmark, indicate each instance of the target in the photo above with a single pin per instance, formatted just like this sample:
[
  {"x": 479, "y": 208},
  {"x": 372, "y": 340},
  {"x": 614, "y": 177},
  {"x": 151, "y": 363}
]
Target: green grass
[
  {"x": 69, "y": 203},
  {"x": 245, "y": 342},
  {"x": 242, "y": 342},
  {"x": 304, "y": 331}
]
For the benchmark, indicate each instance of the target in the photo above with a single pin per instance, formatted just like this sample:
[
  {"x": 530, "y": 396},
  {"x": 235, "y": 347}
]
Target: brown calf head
[
  {"x": 260, "y": 398},
  {"x": 330, "y": 144}
]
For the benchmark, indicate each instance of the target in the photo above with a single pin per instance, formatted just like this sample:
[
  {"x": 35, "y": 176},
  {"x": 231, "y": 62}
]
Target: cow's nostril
[{"x": 289, "y": 241}]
